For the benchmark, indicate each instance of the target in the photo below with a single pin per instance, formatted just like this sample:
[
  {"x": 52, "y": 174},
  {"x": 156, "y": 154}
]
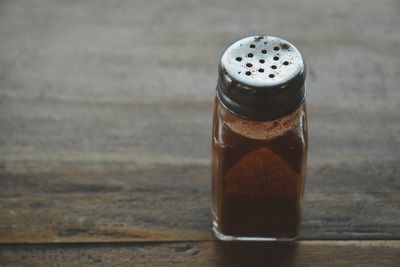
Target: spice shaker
[{"x": 259, "y": 141}]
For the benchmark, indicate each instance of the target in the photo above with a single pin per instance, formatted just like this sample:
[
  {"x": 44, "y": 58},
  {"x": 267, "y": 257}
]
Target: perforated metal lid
[{"x": 261, "y": 78}]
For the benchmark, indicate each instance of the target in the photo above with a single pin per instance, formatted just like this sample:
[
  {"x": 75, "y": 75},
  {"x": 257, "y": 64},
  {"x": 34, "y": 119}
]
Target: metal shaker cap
[{"x": 261, "y": 78}]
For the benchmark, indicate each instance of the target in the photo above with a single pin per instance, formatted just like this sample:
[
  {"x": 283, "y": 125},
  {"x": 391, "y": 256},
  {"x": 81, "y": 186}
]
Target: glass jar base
[{"x": 223, "y": 237}]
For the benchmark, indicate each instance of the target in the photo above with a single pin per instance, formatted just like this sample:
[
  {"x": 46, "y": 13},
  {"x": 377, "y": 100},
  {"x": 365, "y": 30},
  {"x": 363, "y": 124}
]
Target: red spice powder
[{"x": 258, "y": 182}]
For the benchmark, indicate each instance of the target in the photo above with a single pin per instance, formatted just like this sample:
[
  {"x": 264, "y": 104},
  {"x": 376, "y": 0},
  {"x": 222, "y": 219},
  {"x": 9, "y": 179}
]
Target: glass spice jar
[{"x": 259, "y": 141}]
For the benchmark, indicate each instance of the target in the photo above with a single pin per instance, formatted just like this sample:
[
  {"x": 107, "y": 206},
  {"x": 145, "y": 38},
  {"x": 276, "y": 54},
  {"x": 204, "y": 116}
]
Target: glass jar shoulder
[{"x": 231, "y": 130}]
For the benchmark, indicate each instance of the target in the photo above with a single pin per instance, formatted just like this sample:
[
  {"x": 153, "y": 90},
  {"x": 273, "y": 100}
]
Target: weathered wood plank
[
  {"x": 342, "y": 202},
  {"x": 305, "y": 253},
  {"x": 42, "y": 132}
]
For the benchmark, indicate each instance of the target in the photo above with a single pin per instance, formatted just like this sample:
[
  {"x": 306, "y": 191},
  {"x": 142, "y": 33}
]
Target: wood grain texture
[
  {"x": 74, "y": 205},
  {"x": 105, "y": 115},
  {"x": 305, "y": 253}
]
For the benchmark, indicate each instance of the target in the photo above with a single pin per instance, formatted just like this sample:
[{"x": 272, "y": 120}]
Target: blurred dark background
[{"x": 93, "y": 80}]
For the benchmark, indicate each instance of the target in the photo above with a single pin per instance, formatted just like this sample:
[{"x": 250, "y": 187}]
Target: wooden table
[{"x": 105, "y": 117}]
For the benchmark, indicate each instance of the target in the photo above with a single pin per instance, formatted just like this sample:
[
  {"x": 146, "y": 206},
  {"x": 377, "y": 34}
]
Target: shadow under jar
[{"x": 259, "y": 141}]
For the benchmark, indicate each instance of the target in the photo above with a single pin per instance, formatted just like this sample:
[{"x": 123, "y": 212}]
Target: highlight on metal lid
[
  {"x": 262, "y": 60},
  {"x": 261, "y": 77}
]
